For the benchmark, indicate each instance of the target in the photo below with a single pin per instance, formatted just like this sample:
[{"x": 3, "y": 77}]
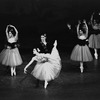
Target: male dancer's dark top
[{"x": 45, "y": 48}]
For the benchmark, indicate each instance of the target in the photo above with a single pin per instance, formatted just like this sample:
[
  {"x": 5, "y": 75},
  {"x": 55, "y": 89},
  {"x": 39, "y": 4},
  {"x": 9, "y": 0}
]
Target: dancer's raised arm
[
  {"x": 16, "y": 31},
  {"x": 91, "y": 20},
  {"x": 86, "y": 28},
  {"x": 16, "y": 36},
  {"x": 7, "y": 32},
  {"x": 78, "y": 28},
  {"x": 94, "y": 23}
]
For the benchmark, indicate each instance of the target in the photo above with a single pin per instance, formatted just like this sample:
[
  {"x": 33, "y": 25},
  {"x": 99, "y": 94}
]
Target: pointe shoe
[
  {"x": 81, "y": 68},
  {"x": 11, "y": 73},
  {"x": 46, "y": 83},
  {"x": 14, "y": 73},
  {"x": 96, "y": 56}
]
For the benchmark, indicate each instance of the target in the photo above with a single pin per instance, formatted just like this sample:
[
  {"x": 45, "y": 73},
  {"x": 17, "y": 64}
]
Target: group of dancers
[
  {"x": 48, "y": 62},
  {"x": 81, "y": 51}
]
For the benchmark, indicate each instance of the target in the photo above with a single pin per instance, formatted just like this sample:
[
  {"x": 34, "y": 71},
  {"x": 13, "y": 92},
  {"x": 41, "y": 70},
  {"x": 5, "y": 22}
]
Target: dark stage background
[{"x": 32, "y": 17}]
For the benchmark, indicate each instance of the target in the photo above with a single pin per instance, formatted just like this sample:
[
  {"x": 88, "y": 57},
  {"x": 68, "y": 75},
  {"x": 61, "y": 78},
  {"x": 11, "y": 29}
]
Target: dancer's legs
[
  {"x": 95, "y": 54},
  {"x": 81, "y": 67},
  {"x": 45, "y": 84}
]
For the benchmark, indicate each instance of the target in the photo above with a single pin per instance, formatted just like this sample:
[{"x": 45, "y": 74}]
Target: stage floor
[{"x": 70, "y": 85}]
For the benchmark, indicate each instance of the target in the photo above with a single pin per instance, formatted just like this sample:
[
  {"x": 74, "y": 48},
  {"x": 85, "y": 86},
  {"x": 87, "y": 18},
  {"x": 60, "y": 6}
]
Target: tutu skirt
[
  {"x": 94, "y": 41},
  {"x": 81, "y": 53},
  {"x": 48, "y": 70},
  {"x": 10, "y": 57}
]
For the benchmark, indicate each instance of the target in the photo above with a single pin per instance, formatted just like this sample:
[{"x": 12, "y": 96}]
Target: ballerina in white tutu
[
  {"x": 48, "y": 65},
  {"x": 81, "y": 51},
  {"x": 10, "y": 55},
  {"x": 44, "y": 46},
  {"x": 94, "y": 39}
]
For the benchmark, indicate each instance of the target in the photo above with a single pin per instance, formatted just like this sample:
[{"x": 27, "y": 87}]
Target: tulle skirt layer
[
  {"x": 48, "y": 70},
  {"x": 94, "y": 41},
  {"x": 81, "y": 53},
  {"x": 10, "y": 57}
]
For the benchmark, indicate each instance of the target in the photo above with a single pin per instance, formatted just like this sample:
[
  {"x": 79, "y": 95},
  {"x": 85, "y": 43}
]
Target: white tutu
[
  {"x": 94, "y": 41},
  {"x": 10, "y": 57},
  {"x": 81, "y": 53},
  {"x": 48, "y": 70}
]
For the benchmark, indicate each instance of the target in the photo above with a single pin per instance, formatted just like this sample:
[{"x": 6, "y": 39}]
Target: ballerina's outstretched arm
[
  {"x": 16, "y": 35},
  {"x": 16, "y": 31},
  {"x": 78, "y": 28},
  {"x": 86, "y": 28},
  {"x": 7, "y": 32},
  {"x": 34, "y": 58}
]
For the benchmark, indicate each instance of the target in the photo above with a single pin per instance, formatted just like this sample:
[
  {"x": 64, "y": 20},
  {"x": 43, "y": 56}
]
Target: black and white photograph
[{"x": 49, "y": 50}]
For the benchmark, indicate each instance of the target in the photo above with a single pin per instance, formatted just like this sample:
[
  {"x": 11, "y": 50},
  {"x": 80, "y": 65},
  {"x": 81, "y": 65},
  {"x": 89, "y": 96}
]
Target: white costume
[
  {"x": 49, "y": 69},
  {"x": 10, "y": 55},
  {"x": 94, "y": 39},
  {"x": 81, "y": 51},
  {"x": 48, "y": 65}
]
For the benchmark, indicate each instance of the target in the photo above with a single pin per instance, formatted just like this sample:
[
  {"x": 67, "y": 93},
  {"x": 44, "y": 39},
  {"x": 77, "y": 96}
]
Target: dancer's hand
[
  {"x": 11, "y": 25},
  {"x": 8, "y": 47},
  {"x": 25, "y": 71},
  {"x": 87, "y": 40},
  {"x": 38, "y": 49}
]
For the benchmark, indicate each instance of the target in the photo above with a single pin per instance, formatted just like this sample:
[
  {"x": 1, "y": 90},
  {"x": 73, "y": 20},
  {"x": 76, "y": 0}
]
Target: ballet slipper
[
  {"x": 96, "y": 56},
  {"x": 81, "y": 68},
  {"x": 45, "y": 85},
  {"x": 14, "y": 72},
  {"x": 11, "y": 71}
]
